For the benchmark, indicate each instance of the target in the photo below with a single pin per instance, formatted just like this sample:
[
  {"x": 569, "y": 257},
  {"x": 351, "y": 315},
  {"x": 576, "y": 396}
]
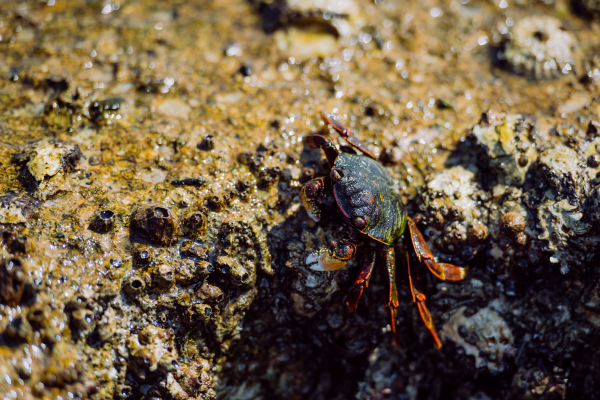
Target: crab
[{"x": 366, "y": 198}]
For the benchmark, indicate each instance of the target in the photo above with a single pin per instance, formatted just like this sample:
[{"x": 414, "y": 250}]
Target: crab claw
[
  {"x": 312, "y": 209},
  {"x": 311, "y": 196},
  {"x": 323, "y": 260}
]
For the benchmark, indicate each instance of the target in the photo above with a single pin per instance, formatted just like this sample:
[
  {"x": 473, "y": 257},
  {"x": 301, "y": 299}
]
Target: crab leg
[
  {"x": 362, "y": 281},
  {"x": 420, "y": 298},
  {"x": 347, "y": 134},
  {"x": 389, "y": 256},
  {"x": 445, "y": 272}
]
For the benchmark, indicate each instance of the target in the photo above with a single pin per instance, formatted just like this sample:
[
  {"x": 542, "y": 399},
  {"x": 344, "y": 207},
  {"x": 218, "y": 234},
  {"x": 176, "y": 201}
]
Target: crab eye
[{"x": 359, "y": 222}]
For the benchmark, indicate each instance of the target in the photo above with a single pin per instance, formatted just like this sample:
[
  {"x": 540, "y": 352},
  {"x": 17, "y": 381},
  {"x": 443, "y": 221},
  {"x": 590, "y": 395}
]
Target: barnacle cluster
[
  {"x": 310, "y": 28},
  {"x": 451, "y": 211},
  {"x": 540, "y": 48}
]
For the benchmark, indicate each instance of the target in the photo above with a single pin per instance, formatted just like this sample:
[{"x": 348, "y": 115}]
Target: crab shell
[{"x": 365, "y": 194}]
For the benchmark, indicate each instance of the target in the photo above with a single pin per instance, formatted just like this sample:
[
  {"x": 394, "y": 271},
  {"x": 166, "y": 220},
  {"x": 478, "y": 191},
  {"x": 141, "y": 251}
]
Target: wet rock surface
[{"x": 153, "y": 244}]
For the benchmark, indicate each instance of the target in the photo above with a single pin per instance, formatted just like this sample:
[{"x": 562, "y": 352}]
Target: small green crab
[{"x": 366, "y": 197}]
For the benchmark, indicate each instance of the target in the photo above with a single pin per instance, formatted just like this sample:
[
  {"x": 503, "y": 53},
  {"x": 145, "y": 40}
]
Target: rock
[
  {"x": 15, "y": 243},
  {"x": 484, "y": 335},
  {"x": 44, "y": 164},
  {"x": 16, "y": 209},
  {"x": 505, "y": 146},
  {"x": 152, "y": 354},
  {"x": 194, "y": 377},
  {"x": 566, "y": 211}
]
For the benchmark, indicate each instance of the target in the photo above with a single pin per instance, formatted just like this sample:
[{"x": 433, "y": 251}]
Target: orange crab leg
[
  {"x": 362, "y": 281},
  {"x": 420, "y": 298},
  {"x": 349, "y": 136},
  {"x": 445, "y": 272},
  {"x": 389, "y": 256}
]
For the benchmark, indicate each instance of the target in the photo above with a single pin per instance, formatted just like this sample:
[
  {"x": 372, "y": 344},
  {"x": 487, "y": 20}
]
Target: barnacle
[{"x": 540, "y": 48}]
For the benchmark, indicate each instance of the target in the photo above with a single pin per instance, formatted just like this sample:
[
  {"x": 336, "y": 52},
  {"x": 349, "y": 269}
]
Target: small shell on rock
[
  {"x": 194, "y": 224},
  {"x": 38, "y": 315},
  {"x": 593, "y": 161},
  {"x": 103, "y": 221},
  {"x": 540, "y": 48},
  {"x": 172, "y": 388},
  {"x": 235, "y": 272},
  {"x": 203, "y": 269},
  {"x": 143, "y": 254},
  {"x": 477, "y": 233},
  {"x": 244, "y": 186},
  {"x": 210, "y": 293},
  {"x": 202, "y": 311},
  {"x": 122, "y": 392},
  {"x": 135, "y": 285},
  {"x": 512, "y": 223},
  {"x": 310, "y": 28},
  {"x": 156, "y": 224},
  {"x": 216, "y": 203},
  {"x": 105, "y": 111},
  {"x": 207, "y": 143},
  {"x": 193, "y": 250},
  {"x": 593, "y": 128},
  {"x": 163, "y": 277},
  {"x": 82, "y": 319},
  {"x": 19, "y": 331},
  {"x": 13, "y": 277},
  {"x": 15, "y": 243},
  {"x": 186, "y": 273}
]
